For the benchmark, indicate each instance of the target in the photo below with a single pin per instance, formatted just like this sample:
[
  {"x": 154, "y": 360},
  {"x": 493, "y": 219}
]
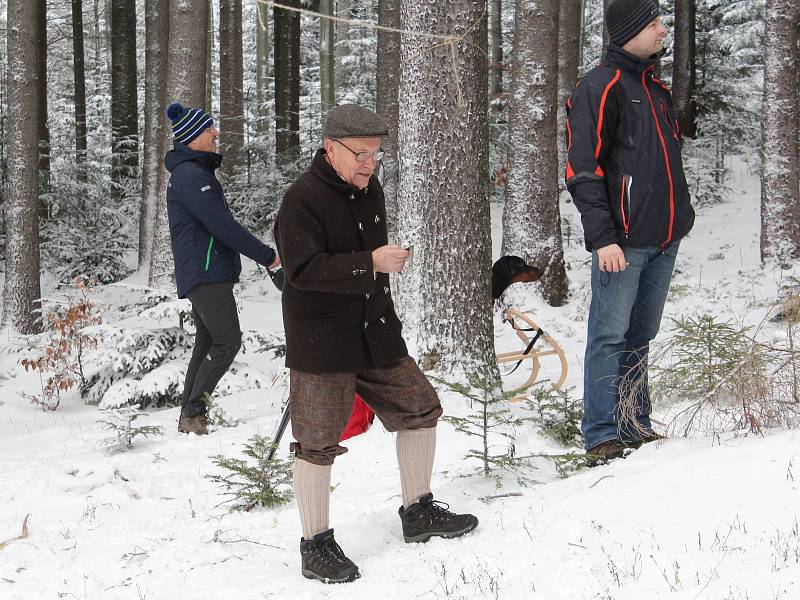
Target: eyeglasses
[{"x": 365, "y": 155}]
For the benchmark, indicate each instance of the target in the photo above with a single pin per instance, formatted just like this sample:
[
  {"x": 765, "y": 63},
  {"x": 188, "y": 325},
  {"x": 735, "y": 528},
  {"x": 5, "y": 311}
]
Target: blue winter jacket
[{"x": 206, "y": 239}]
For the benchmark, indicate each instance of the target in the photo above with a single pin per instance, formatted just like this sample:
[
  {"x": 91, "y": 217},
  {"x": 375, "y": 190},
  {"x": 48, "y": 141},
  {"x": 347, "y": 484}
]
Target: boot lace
[
  {"x": 330, "y": 553},
  {"x": 438, "y": 511}
]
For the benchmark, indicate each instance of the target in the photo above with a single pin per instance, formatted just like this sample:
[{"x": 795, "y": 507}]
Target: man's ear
[{"x": 327, "y": 143}]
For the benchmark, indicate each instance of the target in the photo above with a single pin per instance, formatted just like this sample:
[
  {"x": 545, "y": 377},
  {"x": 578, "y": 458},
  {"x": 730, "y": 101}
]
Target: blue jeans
[{"x": 624, "y": 317}]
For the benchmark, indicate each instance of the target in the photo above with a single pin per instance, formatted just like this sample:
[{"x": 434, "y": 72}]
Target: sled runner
[{"x": 523, "y": 325}]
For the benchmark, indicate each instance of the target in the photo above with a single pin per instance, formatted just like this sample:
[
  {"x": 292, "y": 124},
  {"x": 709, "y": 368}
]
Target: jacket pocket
[
  {"x": 625, "y": 203},
  {"x": 672, "y": 120}
]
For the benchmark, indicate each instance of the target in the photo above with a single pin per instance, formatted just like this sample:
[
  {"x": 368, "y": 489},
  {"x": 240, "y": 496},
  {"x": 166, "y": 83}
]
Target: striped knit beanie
[
  {"x": 187, "y": 123},
  {"x": 626, "y": 18}
]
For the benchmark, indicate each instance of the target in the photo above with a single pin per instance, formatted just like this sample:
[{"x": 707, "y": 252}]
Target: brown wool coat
[{"x": 338, "y": 315}]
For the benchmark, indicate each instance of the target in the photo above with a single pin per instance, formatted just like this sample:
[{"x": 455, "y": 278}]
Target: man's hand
[
  {"x": 611, "y": 258},
  {"x": 389, "y": 259},
  {"x": 275, "y": 263}
]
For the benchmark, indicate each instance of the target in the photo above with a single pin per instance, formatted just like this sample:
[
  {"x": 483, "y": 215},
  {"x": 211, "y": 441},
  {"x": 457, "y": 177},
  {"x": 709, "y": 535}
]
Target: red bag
[{"x": 360, "y": 419}]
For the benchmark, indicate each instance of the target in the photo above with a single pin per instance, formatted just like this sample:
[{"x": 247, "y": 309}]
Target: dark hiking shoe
[
  {"x": 323, "y": 559},
  {"x": 197, "y": 424},
  {"x": 606, "y": 452},
  {"x": 428, "y": 518},
  {"x": 646, "y": 438}
]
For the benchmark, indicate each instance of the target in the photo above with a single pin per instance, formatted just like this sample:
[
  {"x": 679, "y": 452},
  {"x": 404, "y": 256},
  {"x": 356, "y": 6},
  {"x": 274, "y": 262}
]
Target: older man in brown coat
[{"x": 343, "y": 336}]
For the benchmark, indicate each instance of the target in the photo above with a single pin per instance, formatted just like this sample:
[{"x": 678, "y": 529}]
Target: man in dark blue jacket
[
  {"x": 206, "y": 243},
  {"x": 625, "y": 173}
]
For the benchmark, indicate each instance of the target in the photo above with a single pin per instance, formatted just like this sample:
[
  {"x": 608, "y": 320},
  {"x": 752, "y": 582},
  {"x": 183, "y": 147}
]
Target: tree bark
[
  {"x": 388, "y": 82},
  {"x": 155, "y": 121},
  {"x": 683, "y": 67},
  {"x": 344, "y": 10},
  {"x": 21, "y": 290},
  {"x": 327, "y": 58},
  {"x": 780, "y": 194},
  {"x": 44, "y": 130},
  {"x": 262, "y": 66},
  {"x": 80, "y": 88},
  {"x": 287, "y": 83},
  {"x": 186, "y": 83},
  {"x": 209, "y": 98},
  {"x": 231, "y": 85},
  {"x": 444, "y": 294},
  {"x": 124, "y": 107},
  {"x": 496, "y": 37},
  {"x": 531, "y": 218},
  {"x": 569, "y": 44}
]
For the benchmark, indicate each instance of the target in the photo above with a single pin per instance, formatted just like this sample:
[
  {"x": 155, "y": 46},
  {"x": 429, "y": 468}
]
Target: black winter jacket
[
  {"x": 624, "y": 167},
  {"x": 206, "y": 239},
  {"x": 338, "y": 314}
]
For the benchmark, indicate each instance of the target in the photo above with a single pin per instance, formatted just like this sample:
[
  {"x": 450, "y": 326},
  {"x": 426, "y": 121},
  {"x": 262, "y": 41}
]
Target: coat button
[
  {"x": 355, "y": 272},
  {"x": 367, "y": 295},
  {"x": 365, "y": 324},
  {"x": 385, "y": 289},
  {"x": 383, "y": 320},
  {"x": 361, "y": 226},
  {"x": 377, "y": 219}
]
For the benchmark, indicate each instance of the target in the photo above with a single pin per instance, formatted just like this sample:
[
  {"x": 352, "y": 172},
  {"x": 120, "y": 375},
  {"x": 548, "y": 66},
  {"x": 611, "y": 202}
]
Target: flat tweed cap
[
  {"x": 351, "y": 120},
  {"x": 626, "y": 18}
]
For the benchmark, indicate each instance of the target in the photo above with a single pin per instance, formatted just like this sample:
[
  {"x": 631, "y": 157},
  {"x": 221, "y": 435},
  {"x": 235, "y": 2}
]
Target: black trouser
[{"x": 216, "y": 343}]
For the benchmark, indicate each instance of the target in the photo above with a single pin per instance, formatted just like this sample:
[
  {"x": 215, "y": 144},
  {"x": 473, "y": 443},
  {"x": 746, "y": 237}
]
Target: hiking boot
[
  {"x": 646, "y": 438},
  {"x": 606, "y": 452},
  {"x": 323, "y": 559},
  {"x": 428, "y": 518},
  {"x": 197, "y": 424}
]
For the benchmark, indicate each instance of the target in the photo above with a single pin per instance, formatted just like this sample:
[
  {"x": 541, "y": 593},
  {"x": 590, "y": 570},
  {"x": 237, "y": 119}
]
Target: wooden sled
[{"x": 534, "y": 349}]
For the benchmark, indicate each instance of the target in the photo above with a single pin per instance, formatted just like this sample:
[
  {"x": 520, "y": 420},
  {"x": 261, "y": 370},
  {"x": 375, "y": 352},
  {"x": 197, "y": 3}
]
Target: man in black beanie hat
[
  {"x": 343, "y": 336},
  {"x": 625, "y": 173}
]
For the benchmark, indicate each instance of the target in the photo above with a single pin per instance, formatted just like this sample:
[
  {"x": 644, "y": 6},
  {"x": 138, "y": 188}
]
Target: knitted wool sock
[
  {"x": 312, "y": 488},
  {"x": 415, "y": 452}
]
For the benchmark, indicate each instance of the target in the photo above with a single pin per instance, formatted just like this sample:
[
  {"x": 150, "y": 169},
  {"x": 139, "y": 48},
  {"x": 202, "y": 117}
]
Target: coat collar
[
  {"x": 322, "y": 169},
  {"x": 182, "y": 153},
  {"x": 620, "y": 59}
]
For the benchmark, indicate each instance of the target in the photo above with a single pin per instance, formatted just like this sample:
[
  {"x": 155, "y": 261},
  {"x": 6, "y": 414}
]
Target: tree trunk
[
  {"x": 327, "y": 86},
  {"x": 344, "y": 10},
  {"x": 98, "y": 71},
  {"x": 186, "y": 83},
  {"x": 155, "y": 121},
  {"x": 80, "y": 88},
  {"x": 606, "y": 4},
  {"x": 287, "y": 82},
  {"x": 569, "y": 44},
  {"x": 21, "y": 291},
  {"x": 124, "y": 108},
  {"x": 683, "y": 67},
  {"x": 443, "y": 204},
  {"x": 496, "y": 37},
  {"x": 209, "y": 97},
  {"x": 780, "y": 196},
  {"x": 231, "y": 85},
  {"x": 531, "y": 218},
  {"x": 44, "y": 130},
  {"x": 262, "y": 66},
  {"x": 388, "y": 82}
]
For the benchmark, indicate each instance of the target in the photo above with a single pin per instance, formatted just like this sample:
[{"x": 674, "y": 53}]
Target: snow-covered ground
[{"x": 700, "y": 518}]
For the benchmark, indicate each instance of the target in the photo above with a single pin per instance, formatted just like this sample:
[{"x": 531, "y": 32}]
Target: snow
[{"x": 685, "y": 519}]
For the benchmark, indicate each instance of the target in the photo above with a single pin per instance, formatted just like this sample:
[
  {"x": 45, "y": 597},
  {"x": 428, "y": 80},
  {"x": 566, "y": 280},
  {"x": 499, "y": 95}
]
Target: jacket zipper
[
  {"x": 625, "y": 206},
  {"x": 208, "y": 253},
  {"x": 666, "y": 242}
]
